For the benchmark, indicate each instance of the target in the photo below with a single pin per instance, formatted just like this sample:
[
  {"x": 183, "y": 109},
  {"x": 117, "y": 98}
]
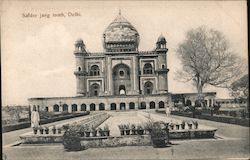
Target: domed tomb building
[{"x": 120, "y": 78}]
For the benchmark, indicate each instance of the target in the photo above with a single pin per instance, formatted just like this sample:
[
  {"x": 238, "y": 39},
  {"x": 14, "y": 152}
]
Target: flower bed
[
  {"x": 44, "y": 134},
  {"x": 12, "y": 127},
  {"x": 72, "y": 135}
]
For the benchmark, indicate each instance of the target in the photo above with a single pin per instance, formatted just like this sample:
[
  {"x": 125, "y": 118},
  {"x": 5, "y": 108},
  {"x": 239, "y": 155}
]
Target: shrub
[
  {"x": 148, "y": 126},
  {"x": 158, "y": 135},
  {"x": 71, "y": 139}
]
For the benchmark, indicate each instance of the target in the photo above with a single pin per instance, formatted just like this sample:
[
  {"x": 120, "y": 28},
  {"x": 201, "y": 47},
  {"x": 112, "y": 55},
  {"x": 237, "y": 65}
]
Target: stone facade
[
  {"x": 120, "y": 78},
  {"x": 121, "y": 69}
]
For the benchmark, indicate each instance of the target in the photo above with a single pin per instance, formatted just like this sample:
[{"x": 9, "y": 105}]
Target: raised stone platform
[
  {"x": 94, "y": 141},
  {"x": 123, "y": 118}
]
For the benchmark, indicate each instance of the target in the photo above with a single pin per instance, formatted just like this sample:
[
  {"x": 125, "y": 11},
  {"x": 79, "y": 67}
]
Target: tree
[
  {"x": 207, "y": 60},
  {"x": 14, "y": 112},
  {"x": 240, "y": 89}
]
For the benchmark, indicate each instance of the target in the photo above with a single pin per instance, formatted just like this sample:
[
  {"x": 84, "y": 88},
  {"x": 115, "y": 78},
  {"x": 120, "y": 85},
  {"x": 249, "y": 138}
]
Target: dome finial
[{"x": 120, "y": 13}]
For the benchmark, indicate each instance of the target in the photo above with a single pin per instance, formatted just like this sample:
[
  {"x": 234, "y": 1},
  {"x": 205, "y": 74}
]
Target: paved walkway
[{"x": 234, "y": 144}]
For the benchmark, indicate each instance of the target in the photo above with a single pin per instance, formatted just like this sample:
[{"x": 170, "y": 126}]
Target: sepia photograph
[{"x": 124, "y": 79}]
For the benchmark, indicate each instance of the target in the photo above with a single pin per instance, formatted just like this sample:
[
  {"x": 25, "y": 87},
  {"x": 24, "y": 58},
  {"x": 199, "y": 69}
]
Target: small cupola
[
  {"x": 161, "y": 42},
  {"x": 79, "y": 46}
]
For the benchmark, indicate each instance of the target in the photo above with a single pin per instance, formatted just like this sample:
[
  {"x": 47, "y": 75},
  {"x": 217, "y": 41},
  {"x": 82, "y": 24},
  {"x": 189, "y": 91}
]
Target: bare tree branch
[{"x": 207, "y": 59}]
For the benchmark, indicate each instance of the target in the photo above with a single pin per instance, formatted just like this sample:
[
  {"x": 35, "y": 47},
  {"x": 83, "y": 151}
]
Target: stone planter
[
  {"x": 140, "y": 132},
  {"x": 41, "y": 131},
  {"x": 183, "y": 126},
  {"x": 87, "y": 133},
  {"x": 94, "y": 133},
  {"x": 59, "y": 131},
  {"x": 127, "y": 131},
  {"x": 122, "y": 132},
  {"x": 148, "y": 131},
  {"x": 35, "y": 131},
  {"x": 46, "y": 131},
  {"x": 196, "y": 126},
  {"x": 82, "y": 133},
  {"x": 171, "y": 127},
  {"x": 106, "y": 133},
  {"x": 190, "y": 125},
  {"x": 133, "y": 131},
  {"x": 177, "y": 126},
  {"x": 101, "y": 133},
  {"x": 54, "y": 131}
]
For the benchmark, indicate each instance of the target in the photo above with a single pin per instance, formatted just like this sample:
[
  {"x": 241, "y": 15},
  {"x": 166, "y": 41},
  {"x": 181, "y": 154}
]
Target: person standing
[
  {"x": 168, "y": 111},
  {"x": 35, "y": 118}
]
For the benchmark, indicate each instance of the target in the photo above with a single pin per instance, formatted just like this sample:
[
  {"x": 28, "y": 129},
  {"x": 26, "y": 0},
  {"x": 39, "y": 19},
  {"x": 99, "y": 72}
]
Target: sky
[{"x": 37, "y": 53}]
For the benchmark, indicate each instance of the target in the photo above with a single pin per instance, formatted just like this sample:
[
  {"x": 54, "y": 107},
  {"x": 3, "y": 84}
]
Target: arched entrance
[
  {"x": 122, "y": 106},
  {"x": 65, "y": 107},
  {"x": 92, "y": 107},
  {"x": 94, "y": 89},
  {"x": 147, "y": 69},
  {"x": 122, "y": 90},
  {"x": 83, "y": 107},
  {"x": 161, "y": 104},
  {"x": 143, "y": 105},
  {"x": 152, "y": 105},
  {"x": 148, "y": 88},
  {"x": 101, "y": 106},
  {"x": 121, "y": 79},
  {"x": 113, "y": 106},
  {"x": 74, "y": 107},
  {"x": 56, "y": 108},
  {"x": 131, "y": 105}
]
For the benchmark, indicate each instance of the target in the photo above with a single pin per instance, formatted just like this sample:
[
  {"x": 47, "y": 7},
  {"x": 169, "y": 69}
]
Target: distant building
[
  {"x": 188, "y": 99},
  {"x": 232, "y": 103}
]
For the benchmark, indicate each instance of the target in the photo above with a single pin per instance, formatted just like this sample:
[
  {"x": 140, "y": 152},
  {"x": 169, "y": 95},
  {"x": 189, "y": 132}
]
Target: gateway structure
[{"x": 120, "y": 78}]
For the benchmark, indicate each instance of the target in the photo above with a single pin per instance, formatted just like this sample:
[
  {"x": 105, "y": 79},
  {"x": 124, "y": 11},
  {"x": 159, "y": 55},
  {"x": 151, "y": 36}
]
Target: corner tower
[
  {"x": 162, "y": 70},
  {"x": 80, "y": 71}
]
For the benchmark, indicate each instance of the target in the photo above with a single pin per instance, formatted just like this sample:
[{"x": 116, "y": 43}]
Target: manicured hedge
[
  {"x": 12, "y": 127},
  {"x": 223, "y": 119}
]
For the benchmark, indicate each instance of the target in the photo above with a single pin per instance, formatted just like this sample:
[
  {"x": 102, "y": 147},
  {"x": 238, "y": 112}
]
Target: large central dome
[{"x": 120, "y": 36}]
